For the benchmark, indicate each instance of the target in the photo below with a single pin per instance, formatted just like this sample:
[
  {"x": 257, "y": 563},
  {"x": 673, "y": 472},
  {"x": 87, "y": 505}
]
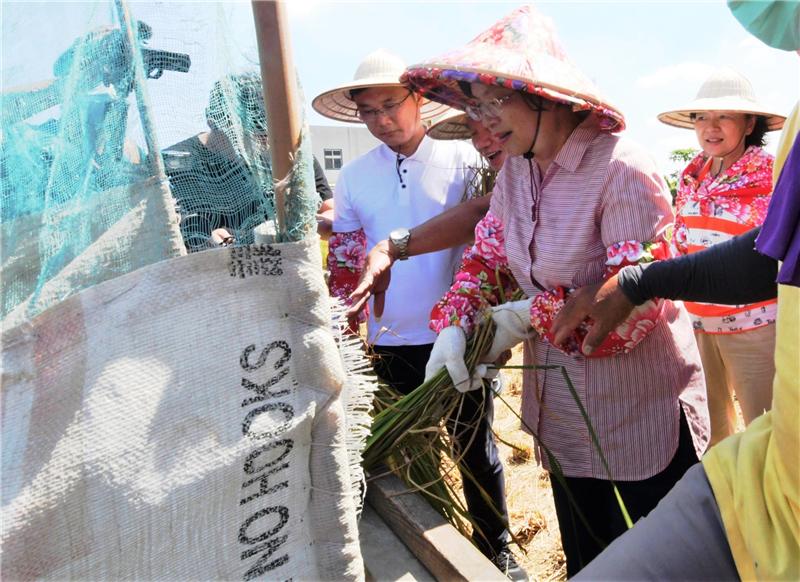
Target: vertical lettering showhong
[{"x": 265, "y": 471}]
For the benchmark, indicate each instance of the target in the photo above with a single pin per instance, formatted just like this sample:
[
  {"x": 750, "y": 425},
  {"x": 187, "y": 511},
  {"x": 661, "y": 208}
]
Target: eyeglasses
[
  {"x": 390, "y": 110},
  {"x": 493, "y": 108}
]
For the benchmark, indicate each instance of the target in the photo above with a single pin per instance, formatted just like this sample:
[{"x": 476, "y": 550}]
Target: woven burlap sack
[{"x": 181, "y": 422}]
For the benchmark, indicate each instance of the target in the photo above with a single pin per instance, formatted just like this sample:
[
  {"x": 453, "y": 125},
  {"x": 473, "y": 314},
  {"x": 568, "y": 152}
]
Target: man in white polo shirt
[{"x": 405, "y": 181}]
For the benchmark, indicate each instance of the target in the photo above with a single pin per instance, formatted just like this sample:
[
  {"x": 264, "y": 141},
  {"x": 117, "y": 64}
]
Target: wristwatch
[{"x": 399, "y": 238}]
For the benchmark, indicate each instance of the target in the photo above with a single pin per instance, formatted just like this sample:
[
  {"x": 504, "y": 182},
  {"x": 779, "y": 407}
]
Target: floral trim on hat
[
  {"x": 520, "y": 52},
  {"x": 441, "y": 85}
]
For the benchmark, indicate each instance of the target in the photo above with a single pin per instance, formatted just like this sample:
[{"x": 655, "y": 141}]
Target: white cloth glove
[
  {"x": 448, "y": 352},
  {"x": 512, "y": 325}
]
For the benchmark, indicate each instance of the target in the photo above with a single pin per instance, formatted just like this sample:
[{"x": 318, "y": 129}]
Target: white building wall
[{"x": 353, "y": 140}]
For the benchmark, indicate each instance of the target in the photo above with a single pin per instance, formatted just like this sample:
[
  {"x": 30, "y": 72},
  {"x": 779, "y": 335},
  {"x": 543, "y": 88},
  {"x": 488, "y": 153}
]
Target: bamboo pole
[{"x": 280, "y": 93}]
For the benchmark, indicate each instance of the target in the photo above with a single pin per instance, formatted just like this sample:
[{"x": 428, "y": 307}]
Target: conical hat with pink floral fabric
[{"x": 520, "y": 52}]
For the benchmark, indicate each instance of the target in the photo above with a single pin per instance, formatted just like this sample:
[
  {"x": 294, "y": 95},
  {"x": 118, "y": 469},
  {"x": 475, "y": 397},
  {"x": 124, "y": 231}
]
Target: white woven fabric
[{"x": 180, "y": 422}]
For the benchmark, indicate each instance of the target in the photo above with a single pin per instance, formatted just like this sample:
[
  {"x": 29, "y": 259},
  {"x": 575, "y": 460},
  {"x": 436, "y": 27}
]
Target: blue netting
[{"x": 91, "y": 94}]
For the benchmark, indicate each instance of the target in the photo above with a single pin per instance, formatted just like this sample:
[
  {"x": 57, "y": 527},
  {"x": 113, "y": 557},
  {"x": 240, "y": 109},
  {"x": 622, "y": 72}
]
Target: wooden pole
[{"x": 280, "y": 93}]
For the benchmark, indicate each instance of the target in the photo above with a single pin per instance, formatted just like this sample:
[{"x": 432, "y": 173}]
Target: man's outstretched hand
[
  {"x": 374, "y": 281},
  {"x": 604, "y": 302}
]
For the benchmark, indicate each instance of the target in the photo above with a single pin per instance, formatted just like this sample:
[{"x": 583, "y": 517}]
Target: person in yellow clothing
[
  {"x": 737, "y": 514},
  {"x": 756, "y": 477}
]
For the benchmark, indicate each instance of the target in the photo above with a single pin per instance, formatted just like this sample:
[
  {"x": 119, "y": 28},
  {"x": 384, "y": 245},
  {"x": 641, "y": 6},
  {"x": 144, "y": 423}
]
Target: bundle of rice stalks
[
  {"x": 420, "y": 461},
  {"x": 423, "y": 409},
  {"x": 481, "y": 182},
  {"x": 409, "y": 436}
]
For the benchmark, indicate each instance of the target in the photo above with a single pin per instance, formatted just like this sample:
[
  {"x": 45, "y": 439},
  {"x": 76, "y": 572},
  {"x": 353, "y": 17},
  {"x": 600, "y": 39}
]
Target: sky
[{"x": 646, "y": 56}]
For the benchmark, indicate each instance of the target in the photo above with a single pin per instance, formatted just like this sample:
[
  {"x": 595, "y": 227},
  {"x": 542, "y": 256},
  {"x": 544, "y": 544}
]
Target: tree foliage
[{"x": 680, "y": 155}]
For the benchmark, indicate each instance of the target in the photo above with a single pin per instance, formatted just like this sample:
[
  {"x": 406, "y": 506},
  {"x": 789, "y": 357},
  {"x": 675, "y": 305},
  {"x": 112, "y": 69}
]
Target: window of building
[{"x": 333, "y": 159}]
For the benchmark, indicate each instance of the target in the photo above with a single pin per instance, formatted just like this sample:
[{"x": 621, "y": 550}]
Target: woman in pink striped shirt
[
  {"x": 572, "y": 204},
  {"x": 723, "y": 192}
]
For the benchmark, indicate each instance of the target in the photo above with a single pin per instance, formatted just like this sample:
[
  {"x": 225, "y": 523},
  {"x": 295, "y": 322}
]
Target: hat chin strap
[{"x": 529, "y": 154}]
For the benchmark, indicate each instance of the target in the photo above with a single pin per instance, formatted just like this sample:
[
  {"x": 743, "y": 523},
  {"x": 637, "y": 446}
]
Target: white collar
[{"x": 423, "y": 152}]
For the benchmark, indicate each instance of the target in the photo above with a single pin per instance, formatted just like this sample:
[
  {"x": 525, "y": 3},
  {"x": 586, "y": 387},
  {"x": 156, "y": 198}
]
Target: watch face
[
  {"x": 398, "y": 234},
  {"x": 399, "y": 238}
]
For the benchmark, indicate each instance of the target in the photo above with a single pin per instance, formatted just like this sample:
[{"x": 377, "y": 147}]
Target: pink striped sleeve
[{"x": 636, "y": 205}]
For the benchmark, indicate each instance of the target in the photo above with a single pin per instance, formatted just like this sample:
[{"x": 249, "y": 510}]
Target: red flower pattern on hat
[{"x": 520, "y": 52}]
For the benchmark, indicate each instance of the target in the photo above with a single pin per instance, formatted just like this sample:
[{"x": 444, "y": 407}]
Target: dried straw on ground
[{"x": 528, "y": 494}]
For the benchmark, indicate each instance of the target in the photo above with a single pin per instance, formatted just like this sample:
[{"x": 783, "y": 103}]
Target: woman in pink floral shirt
[
  {"x": 572, "y": 204},
  {"x": 723, "y": 192}
]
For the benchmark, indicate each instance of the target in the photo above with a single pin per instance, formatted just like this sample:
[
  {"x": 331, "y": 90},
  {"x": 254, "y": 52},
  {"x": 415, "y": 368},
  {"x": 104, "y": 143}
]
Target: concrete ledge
[
  {"x": 437, "y": 545},
  {"x": 385, "y": 557}
]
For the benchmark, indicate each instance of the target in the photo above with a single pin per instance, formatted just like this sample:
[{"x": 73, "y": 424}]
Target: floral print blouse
[
  {"x": 712, "y": 209},
  {"x": 347, "y": 252}
]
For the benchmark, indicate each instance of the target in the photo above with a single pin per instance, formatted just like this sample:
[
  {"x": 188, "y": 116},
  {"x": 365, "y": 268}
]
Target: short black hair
[{"x": 756, "y": 137}]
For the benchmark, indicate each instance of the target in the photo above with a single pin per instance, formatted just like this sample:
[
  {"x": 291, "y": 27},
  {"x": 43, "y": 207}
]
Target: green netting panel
[
  {"x": 212, "y": 126},
  {"x": 129, "y": 136},
  {"x": 222, "y": 178}
]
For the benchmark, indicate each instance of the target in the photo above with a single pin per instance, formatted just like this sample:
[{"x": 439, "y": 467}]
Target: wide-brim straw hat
[
  {"x": 520, "y": 52},
  {"x": 451, "y": 125},
  {"x": 378, "y": 69},
  {"x": 723, "y": 90}
]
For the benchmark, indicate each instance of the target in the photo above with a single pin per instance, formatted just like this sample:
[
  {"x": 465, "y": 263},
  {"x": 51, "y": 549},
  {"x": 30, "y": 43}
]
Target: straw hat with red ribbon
[{"x": 520, "y": 52}]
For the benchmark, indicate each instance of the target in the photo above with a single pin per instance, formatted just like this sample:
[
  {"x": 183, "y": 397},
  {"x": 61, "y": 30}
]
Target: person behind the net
[{"x": 221, "y": 179}]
